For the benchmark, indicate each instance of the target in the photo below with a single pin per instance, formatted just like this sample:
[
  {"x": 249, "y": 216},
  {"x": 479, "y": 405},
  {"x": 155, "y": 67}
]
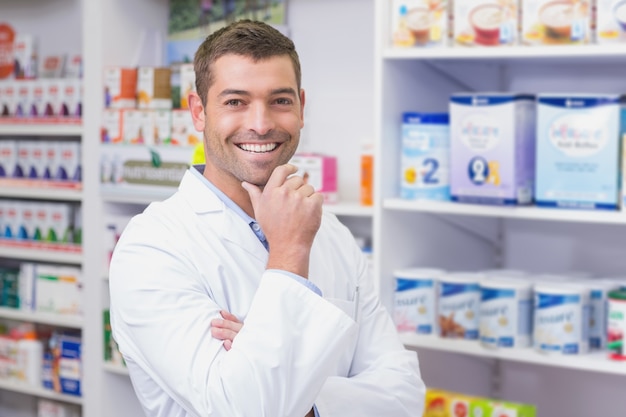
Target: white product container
[
  {"x": 458, "y": 302},
  {"x": 30, "y": 359},
  {"x": 561, "y": 318},
  {"x": 598, "y": 309},
  {"x": 415, "y": 299},
  {"x": 506, "y": 312}
]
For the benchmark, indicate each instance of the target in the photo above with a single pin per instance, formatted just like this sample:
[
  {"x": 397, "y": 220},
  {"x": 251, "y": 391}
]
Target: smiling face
[{"x": 251, "y": 120}]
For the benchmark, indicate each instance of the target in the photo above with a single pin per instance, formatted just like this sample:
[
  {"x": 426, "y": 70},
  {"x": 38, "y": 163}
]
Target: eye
[
  {"x": 234, "y": 102},
  {"x": 284, "y": 101}
]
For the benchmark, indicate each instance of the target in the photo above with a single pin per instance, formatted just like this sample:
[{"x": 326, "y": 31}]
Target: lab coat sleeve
[
  {"x": 160, "y": 315},
  {"x": 384, "y": 379}
]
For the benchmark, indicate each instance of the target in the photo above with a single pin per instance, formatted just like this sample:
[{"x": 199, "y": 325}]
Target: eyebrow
[{"x": 231, "y": 91}]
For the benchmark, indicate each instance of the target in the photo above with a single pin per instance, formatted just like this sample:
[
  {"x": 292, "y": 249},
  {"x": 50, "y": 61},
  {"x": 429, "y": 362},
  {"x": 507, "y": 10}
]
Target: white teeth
[{"x": 266, "y": 147}]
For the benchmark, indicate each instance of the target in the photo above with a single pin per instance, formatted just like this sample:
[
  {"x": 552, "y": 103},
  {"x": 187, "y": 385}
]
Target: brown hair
[{"x": 248, "y": 38}]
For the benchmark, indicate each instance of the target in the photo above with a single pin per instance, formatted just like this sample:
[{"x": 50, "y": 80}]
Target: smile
[{"x": 258, "y": 148}]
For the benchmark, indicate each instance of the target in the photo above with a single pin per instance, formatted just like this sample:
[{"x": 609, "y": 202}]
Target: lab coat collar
[
  {"x": 199, "y": 196},
  {"x": 225, "y": 222}
]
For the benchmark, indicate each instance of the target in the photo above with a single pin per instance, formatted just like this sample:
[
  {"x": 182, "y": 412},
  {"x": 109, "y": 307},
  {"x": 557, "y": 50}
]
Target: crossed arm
[{"x": 226, "y": 329}]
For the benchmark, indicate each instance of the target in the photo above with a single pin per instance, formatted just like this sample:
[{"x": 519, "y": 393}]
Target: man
[{"x": 239, "y": 296}]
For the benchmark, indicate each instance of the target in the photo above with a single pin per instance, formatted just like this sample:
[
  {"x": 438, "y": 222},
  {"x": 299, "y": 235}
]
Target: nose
[{"x": 260, "y": 119}]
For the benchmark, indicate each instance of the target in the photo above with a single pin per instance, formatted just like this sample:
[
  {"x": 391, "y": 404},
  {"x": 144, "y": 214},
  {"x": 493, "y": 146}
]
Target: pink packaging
[{"x": 320, "y": 171}]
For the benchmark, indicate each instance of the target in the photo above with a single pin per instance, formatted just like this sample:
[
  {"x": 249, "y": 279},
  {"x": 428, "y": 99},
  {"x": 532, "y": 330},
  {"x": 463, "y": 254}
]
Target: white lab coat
[{"x": 183, "y": 260}]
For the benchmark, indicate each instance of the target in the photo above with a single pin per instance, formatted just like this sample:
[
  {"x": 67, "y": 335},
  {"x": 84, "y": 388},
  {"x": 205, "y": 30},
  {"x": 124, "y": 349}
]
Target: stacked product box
[
  {"x": 37, "y": 221},
  {"x": 40, "y": 160},
  {"x": 492, "y": 148},
  {"x": 425, "y": 154},
  {"x": 578, "y": 151}
]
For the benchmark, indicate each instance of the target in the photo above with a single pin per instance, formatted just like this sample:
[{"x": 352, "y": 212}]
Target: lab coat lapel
[{"x": 212, "y": 213}]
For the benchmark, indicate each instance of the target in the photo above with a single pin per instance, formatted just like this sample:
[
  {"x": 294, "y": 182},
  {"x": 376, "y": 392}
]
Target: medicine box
[
  {"x": 492, "y": 148},
  {"x": 556, "y": 22},
  {"x": 425, "y": 155},
  {"x": 419, "y": 23},
  {"x": 111, "y": 130},
  {"x": 485, "y": 23},
  {"x": 320, "y": 171},
  {"x": 578, "y": 151},
  {"x": 610, "y": 21},
  {"x": 120, "y": 87},
  {"x": 154, "y": 88},
  {"x": 183, "y": 131},
  {"x": 187, "y": 84}
]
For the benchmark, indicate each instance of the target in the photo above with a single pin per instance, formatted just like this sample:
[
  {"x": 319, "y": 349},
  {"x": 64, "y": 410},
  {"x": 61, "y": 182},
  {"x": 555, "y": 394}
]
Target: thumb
[{"x": 253, "y": 191}]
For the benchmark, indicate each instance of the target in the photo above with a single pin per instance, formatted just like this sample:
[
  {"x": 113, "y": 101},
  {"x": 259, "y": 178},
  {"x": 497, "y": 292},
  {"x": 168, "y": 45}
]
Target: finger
[
  {"x": 306, "y": 190},
  {"x": 227, "y": 324},
  {"x": 253, "y": 191},
  {"x": 280, "y": 174},
  {"x": 223, "y": 334},
  {"x": 228, "y": 316},
  {"x": 294, "y": 182},
  {"x": 228, "y": 344}
]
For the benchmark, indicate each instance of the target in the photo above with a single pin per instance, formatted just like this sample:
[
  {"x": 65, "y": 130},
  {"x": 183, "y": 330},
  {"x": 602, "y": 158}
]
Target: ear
[
  {"x": 302, "y": 101},
  {"x": 197, "y": 111}
]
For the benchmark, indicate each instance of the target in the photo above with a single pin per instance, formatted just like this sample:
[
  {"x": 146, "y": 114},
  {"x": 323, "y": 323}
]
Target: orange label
[
  {"x": 367, "y": 180},
  {"x": 7, "y": 38}
]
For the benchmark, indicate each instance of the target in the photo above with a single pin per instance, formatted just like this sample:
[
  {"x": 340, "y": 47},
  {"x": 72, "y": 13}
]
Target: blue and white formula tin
[
  {"x": 506, "y": 312},
  {"x": 561, "y": 324},
  {"x": 458, "y": 303},
  {"x": 492, "y": 148},
  {"x": 425, "y": 156},
  {"x": 578, "y": 151},
  {"x": 598, "y": 309},
  {"x": 415, "y": 299}
]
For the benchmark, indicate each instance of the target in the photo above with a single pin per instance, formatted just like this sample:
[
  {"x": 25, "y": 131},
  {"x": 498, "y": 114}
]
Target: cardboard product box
[
  {"x": 556, "y": 22},
  {"x": 320, "y": 171},
  {"x": 40, "y": 102},
  {"x": 187, "y": 84},
  {"x": 120, "y": 88},
  {"x": 8, "y": 98},
  {"x": 25, "y": 56},
  {"x": 578, "y": 151},
  {"x": 58, "y": 290},
  {"x": 419, "y": 23},
  {"x": 162, "y": 127},
  {"x": 69, "y": 168},
  {"x": 610, "y": 21},
  {"x": 70, "y": 103},
  {"x": 111, "y": 129},
  {"x": 138, "y": 127},
  {"x": 492, "y": 148},
  {"x": 183, "y": 131},
  {"x": 25, "y": 98},
  {"x": 8, "y": 157},
  {"x": 70, "y": 365},
  {"x": 154, "y": 88},
  {"x": 485, "y": 22}
]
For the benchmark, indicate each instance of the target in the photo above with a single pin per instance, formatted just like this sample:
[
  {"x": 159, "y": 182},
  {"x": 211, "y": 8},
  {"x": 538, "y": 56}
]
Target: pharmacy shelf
[
  {"x": 592, "y": 362},
  {"x": 40, "y": 127},
  {"x": 350, "y": 209},
  {"x": 71, "y": 322},
  {"x": 115, "y": 368},
  {"x": 143, "y": 196},
  {"x": 41, "y": 251},
  {"x": 146, "y": 196},
  {"x": 516, "y": 212},
  {"x": 41, "y": 190},
  {"x": 38, "y": 392},
  {"x": 561, "y": 53}
]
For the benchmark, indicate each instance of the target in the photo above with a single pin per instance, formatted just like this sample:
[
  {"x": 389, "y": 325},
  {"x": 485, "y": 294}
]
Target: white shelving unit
[{"x": 455, "y": 236}]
